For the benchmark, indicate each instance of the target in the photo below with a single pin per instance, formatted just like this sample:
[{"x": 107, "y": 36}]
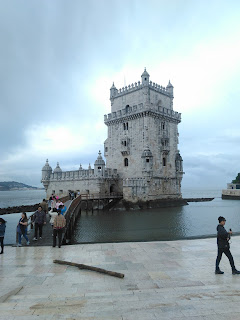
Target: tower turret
[
  {"x": 57, "y": 169},
  {"x": 99, "y": 166},
  {"x": 46, "y": 173},
  {"x": 113, "y": 91},
  {"x": 169, "y": 88},
  {"x": 145, "y": 78}
]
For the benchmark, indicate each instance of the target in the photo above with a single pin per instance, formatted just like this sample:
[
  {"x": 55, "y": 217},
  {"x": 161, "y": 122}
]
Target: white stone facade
[{"x": 142, "y": 146}]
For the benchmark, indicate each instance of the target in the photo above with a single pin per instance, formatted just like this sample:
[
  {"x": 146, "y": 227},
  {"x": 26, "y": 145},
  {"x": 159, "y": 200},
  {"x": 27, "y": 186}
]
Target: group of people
[{"x": 55, "y": 208}]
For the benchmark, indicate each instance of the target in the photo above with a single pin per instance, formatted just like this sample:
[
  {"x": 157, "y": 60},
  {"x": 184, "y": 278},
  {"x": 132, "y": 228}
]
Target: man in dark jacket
[
  {"x": 39, "y": 219},
  {"x": 223, "y": 246}
]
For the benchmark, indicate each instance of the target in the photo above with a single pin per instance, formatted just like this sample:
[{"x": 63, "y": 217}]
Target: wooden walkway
[{"x": 47, "y": 239}]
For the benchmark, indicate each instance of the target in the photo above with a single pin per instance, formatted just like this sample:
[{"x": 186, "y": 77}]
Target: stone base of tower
[{"x": 151, "y": 189}]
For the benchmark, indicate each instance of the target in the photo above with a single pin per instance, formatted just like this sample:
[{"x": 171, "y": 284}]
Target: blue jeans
[{"x": 20, "y": 236}]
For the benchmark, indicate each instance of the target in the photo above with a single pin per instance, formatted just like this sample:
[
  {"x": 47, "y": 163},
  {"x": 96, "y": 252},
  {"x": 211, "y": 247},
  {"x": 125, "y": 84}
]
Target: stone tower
[
  {"x": 142, "y": 140},
  {"x": 46, "y": 173}
]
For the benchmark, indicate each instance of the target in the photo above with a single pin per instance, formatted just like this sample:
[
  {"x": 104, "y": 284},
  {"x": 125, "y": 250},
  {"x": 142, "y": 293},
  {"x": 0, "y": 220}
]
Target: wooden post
[{"x": 84, "y": 266}]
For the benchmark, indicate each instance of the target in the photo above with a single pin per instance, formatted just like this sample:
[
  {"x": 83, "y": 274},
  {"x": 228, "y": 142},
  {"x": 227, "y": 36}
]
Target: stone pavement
[{"x": 163, "y": 280}]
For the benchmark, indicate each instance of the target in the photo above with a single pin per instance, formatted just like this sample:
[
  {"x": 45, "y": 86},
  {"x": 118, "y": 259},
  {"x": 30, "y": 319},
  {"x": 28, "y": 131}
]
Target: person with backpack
[
  {"x": 58, "y": 228},
  {"x": 22, "y": 229},
  {"x": 2, "y": 233}
]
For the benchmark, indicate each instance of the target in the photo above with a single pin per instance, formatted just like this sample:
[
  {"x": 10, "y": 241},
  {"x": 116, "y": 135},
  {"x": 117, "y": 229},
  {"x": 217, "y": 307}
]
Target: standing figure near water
[
  {"x": 39, "y": 219},
  {"x": 2, "y": 233},
  {"x": 58, "y": 227},
  {"x": 223, "y": 238},
  {"x": 22, "y": 229}
]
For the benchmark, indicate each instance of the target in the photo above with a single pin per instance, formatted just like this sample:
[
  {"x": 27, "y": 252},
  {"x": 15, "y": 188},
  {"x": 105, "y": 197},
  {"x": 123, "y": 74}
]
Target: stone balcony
[{"x": 138, "y": 109}]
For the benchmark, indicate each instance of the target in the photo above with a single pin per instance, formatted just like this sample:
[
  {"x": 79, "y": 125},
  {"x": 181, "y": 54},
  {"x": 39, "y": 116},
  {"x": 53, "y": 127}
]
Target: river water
[{"x": 198, "y": 219}]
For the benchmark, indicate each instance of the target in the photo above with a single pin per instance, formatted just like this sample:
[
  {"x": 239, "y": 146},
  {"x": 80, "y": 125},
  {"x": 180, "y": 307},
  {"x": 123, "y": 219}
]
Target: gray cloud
[{"x": 53, "y": 52}]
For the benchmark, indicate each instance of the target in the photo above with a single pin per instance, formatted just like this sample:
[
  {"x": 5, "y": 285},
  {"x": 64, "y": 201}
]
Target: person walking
[
  {"x": 22, "y": 229},
  {"x": 62, "y": 209},
  {"x": 49, "y": 203},
  {"x": 53, "y": 203},
  {"x": 44, "y": 205},
  {"x": 58, "y": 227},
  {"x": 53, "y": 213},
  {"x": 39, "y": 220},
  {"x": 223, "y": 238},
  {"x": 2, "y": 233}
]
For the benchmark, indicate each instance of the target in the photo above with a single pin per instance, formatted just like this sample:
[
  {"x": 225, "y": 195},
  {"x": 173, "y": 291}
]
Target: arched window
[
  {"x": 127, "y": 108},
  {"x": 164, "y": 162},
  {"x": 126, "y": 162}
]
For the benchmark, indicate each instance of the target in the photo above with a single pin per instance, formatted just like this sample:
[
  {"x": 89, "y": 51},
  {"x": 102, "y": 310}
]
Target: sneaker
[
  {"x": 28, "y": 243},
  {"x": 219, "y": 272},
  {"x": 235, "y": 271},
  {"x": 40, "y": 238},
  {"x": 34, "y": 239},
  {"x": 19, "y": 245}
]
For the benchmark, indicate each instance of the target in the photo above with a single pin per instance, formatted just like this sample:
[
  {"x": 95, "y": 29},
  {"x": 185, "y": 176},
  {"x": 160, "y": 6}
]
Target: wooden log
[{"x": 84, "y": 266}]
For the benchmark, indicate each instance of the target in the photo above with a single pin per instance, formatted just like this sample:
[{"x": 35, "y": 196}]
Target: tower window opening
[
  {"x": 145, "y": 78},
  {"x": 163, "y": 125},
  {"x": 99, "y": 168},
  {"x": 147, "y": 160},
  {"x": 125, "y": 126},
  {"x": 125, "y": 143},
  {"x": 126, "y": 162},
  {"x": 164, "y": 162},
  {"x": 106, "y": 149}
]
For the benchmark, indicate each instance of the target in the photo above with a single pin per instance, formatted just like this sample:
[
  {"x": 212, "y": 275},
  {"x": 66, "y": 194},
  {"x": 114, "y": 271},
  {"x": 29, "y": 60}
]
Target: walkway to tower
[{"x": 74, "y": 207}]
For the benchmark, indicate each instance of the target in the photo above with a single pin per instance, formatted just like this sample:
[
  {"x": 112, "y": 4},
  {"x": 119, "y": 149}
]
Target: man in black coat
[{"x": 223, "y": 246}]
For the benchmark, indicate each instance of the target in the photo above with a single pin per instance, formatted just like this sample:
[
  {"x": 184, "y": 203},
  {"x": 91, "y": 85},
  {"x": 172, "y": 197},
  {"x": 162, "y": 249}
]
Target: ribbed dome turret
[
  {"x": 99, "y": 160},
  {"x": 179, "y": 157},
  {"x": 47, "y": 167},
  {"x": 147, "y": 152},
  {"x": 145, "y": 73},
  {"x": 57, "y": 169}
]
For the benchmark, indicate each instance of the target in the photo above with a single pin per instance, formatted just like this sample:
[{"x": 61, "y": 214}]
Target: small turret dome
[
  {"x": 113, "y": 86},
  {"x": 145, "y": 73},
  {"x": 47, "y": 167},
  {"x": 57, "y": 169},
  {"x": 147, "y": 152},
  {"x": 99, "y": 160},
  {"x": 169, "y": 85}
]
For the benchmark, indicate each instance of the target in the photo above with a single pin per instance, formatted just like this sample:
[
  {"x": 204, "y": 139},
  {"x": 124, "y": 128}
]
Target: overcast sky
[{"x": 59, "y": 58}]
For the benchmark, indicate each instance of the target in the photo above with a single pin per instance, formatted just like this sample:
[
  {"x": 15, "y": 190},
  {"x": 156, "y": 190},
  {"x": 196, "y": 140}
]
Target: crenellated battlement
[
  {"x": 137, "y": 86},
  {"x": 81, "y": 174},
  {"x": 139, "y": 109}
]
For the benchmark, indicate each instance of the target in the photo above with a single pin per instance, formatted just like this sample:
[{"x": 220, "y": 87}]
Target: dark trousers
[
  {"x": 38, "y": 227},
  {"x": 2, "y": 244},
  {"x": 227, "y": 252},
  {"x": 57, "y": 232}
]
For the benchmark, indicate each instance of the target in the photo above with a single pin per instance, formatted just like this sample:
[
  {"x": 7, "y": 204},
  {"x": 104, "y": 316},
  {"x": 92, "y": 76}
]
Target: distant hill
[{"x": 13, "y": 185}]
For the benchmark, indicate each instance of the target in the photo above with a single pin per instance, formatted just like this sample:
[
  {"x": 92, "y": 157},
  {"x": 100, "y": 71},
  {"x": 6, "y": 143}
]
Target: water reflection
[{"x": 194, "y": 220}]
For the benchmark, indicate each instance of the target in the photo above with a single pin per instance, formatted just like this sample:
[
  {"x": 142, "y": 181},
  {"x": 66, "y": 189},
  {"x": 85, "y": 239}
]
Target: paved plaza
[{"x": 163, "y": 280}]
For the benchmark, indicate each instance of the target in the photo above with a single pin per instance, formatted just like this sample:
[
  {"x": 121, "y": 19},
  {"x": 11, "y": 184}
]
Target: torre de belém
[{"x": 142, "y": 157}]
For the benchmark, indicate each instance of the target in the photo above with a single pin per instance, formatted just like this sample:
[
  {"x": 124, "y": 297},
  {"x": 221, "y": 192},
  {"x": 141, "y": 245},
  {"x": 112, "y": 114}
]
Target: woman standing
[
  {"x": 2, "y": 233},
  {"x": 22, "y": 229}
]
